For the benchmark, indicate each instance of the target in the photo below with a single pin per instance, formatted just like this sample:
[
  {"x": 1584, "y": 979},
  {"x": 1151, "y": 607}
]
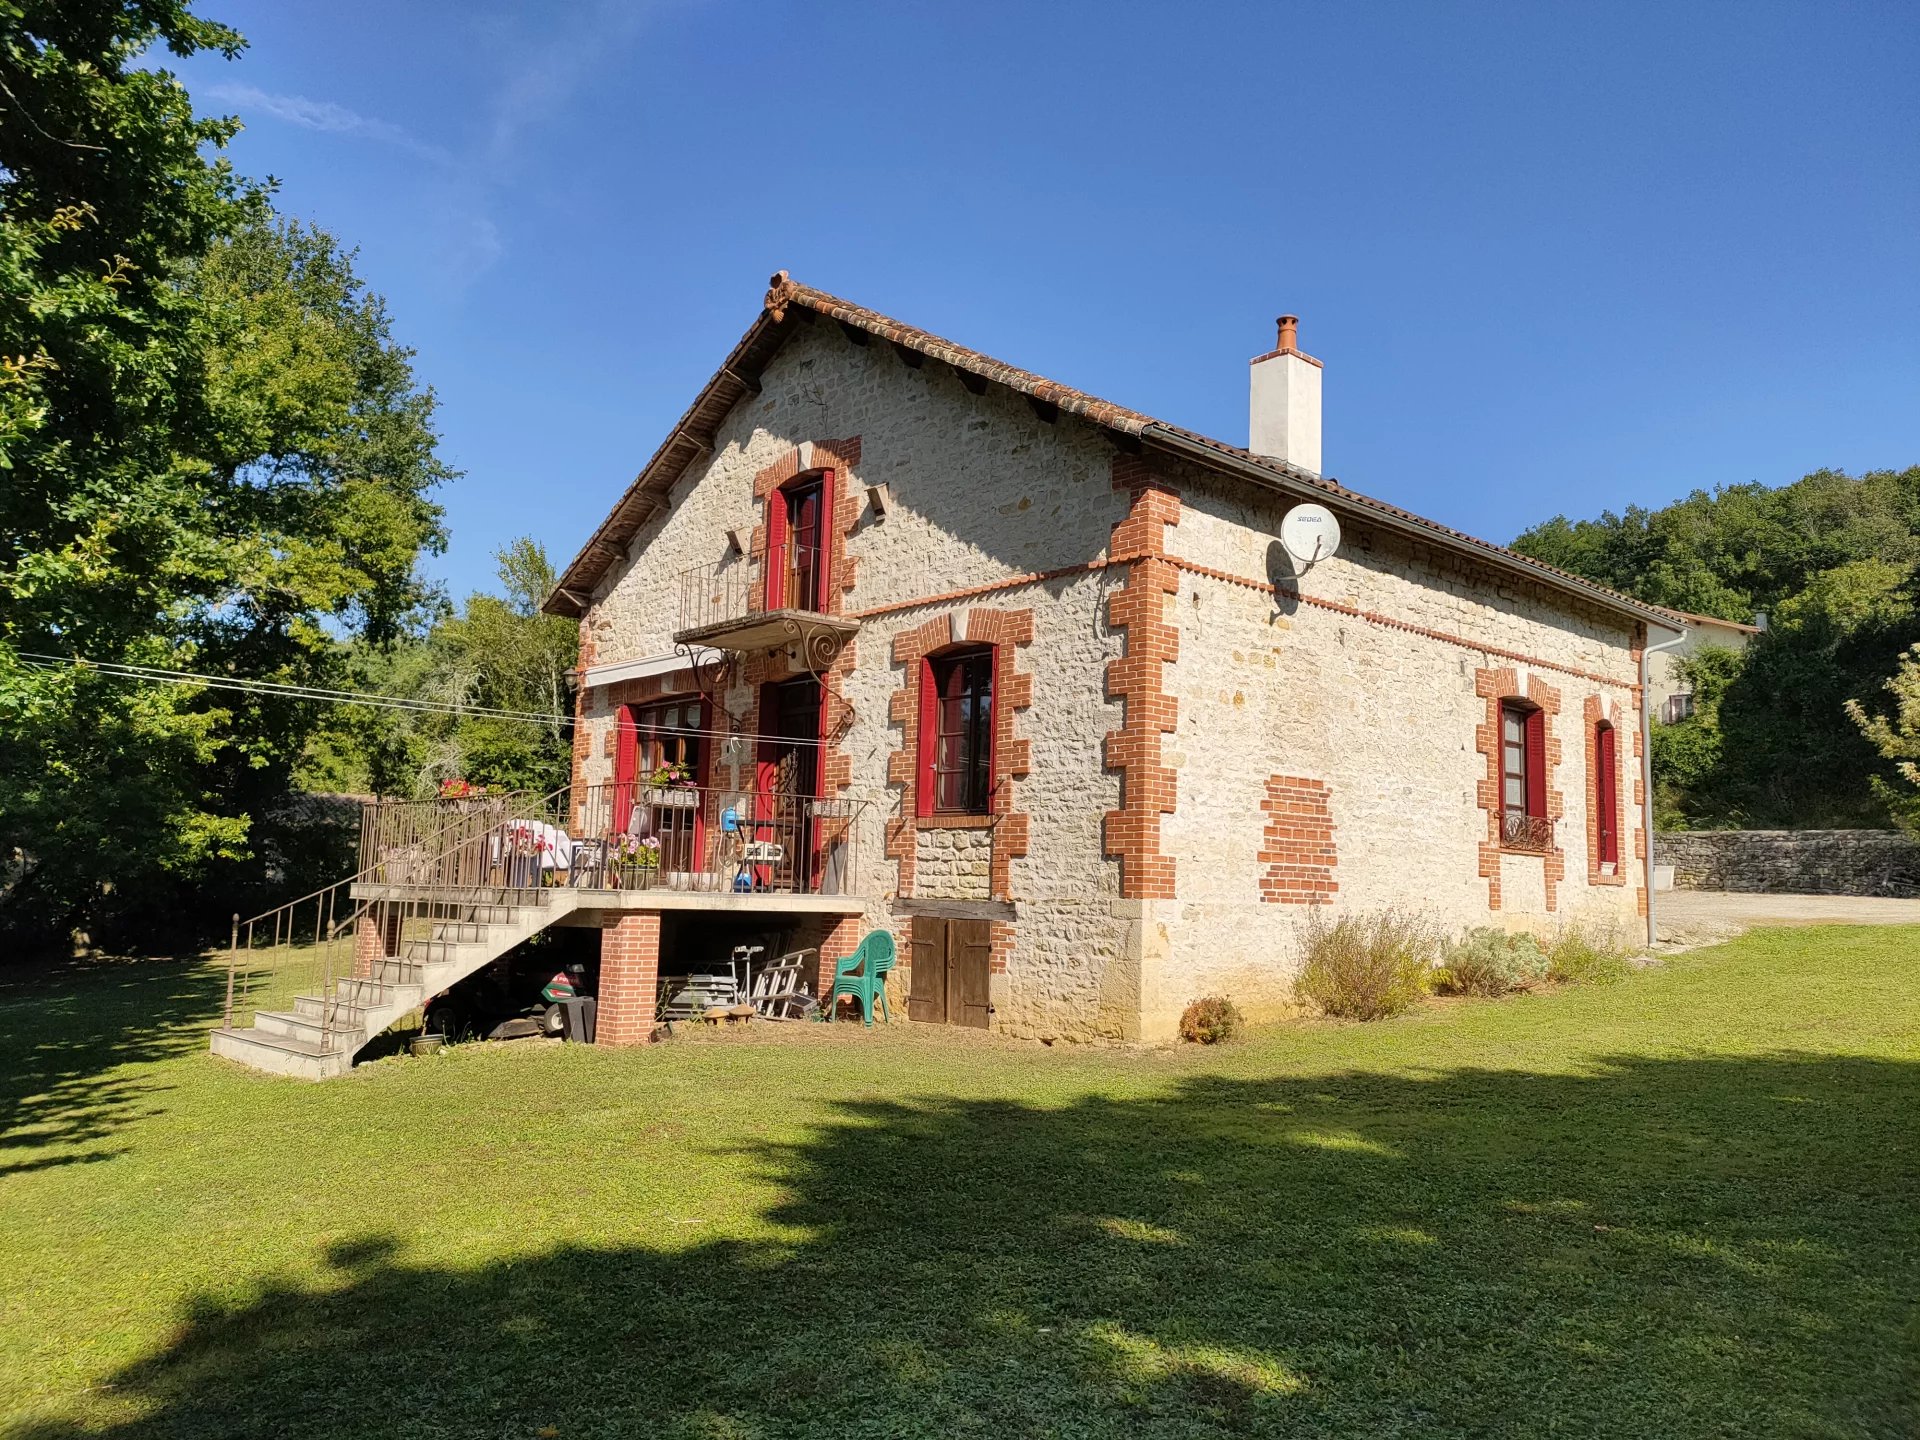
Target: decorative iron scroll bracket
[{"x": 712, "y": 675}]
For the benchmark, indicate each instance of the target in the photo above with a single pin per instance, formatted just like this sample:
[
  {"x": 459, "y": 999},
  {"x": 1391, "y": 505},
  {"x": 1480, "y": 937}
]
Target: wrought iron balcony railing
[{"x": 1526, "y": 832}]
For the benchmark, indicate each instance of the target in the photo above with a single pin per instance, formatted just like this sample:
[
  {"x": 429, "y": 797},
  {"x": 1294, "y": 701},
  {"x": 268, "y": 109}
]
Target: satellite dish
[{"x": 1310, "y": 533}]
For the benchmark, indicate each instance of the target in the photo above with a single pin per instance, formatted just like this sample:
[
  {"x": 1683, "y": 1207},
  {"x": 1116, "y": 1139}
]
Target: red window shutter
[
  {"x": 774, "y": 576},
  {"x": 993, "y": 732},
  {"x": 823, "y": 562},
  {"x": 929, "y": 712},
  {"x": 626, "y": 762},
  {"x": 1607, "y": 796},
  {"x": 1537, "y": 763}
]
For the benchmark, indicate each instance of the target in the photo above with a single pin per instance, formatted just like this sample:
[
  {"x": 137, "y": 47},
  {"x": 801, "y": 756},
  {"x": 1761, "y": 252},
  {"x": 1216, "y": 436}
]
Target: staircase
[{"x": 356, "y": 992}]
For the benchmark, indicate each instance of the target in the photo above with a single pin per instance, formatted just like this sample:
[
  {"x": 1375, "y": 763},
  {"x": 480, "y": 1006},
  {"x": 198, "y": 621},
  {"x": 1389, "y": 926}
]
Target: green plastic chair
[{"x": 872, "y": 959}]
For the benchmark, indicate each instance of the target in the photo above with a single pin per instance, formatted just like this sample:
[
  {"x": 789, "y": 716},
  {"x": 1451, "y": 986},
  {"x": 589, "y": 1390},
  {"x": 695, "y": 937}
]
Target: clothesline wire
[{"x": 154, "y": 674}]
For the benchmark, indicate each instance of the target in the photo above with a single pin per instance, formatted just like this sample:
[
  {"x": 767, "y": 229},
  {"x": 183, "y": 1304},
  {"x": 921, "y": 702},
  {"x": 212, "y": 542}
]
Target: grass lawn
[{"x": 1685, "y": 1205}]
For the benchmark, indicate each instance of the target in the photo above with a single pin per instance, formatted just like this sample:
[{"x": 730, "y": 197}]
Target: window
[
  {"x": 797, "y": 537},
  {"x": 956, "y": 733},
  {"x": 1523, "y": 776},
  {"x": 1606, "y": 794},
  {"x": 1677, "y": 708}
]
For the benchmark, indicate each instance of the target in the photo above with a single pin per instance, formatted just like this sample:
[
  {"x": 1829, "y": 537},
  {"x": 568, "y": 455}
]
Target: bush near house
[
  {"x": 1490, "y": 961},
  {"x": 1367, "y": 966},
  {"x": 1578, "y": 956},
  {"x": 1211, "y": 1019}
]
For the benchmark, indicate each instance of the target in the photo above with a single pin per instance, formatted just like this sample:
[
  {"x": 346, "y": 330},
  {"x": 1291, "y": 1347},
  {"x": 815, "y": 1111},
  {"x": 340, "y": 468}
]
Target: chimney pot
[{"x": 1289, "y": 334}]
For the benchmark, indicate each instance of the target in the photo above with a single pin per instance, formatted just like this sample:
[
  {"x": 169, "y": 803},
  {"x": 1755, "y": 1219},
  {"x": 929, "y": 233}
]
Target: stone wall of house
[
  {"x": 988, "y": 499},
  {"x": 1793, "y": 862},
  {"x": 1328, "y": 753}
]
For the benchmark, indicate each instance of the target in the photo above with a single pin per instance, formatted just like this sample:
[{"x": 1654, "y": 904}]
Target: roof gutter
[{"x": 1324, "y": 493}]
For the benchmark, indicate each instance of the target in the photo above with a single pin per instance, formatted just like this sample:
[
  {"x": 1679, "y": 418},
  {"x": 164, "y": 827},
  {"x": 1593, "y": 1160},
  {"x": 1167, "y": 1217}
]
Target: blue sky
[{"x": 1555, "y": 257}]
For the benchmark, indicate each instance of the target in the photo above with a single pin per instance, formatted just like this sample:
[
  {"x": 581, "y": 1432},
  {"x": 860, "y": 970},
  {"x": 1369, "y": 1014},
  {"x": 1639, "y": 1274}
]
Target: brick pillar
[
  {"x": 842, "y": 939},
  {"x": 629, "y": 979},
  {"x": 366, "y": 945}
]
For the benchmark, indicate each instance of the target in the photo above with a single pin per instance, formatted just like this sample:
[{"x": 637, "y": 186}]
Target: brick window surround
[
  {"x": 1598, "y": 711},
  {"x": 841, "y": 457},
  {"x": 1493, "y": 686},
  {"x": 1008, "y": 631},
  {"x": 1137, "y": 679},
  {"x": 1299, "y": 853}
]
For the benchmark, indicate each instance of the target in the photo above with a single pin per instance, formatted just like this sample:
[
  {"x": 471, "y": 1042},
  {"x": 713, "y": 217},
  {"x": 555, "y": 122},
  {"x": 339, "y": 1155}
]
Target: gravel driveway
[{"x": 1698, "y": 917}]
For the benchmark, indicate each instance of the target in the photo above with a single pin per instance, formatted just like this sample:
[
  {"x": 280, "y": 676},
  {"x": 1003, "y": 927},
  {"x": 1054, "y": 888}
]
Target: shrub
[
  {"x": 1211, "y": 1019},
  {"x": 1579, "y": 956},
  {"x": 1369, "y": 966},
  {"x": 1489, "y": 961}
]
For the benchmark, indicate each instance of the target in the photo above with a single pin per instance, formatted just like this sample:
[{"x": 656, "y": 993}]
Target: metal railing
[
  {"x": 1525, "y": 832},
  {"x": 445, "y": 867},
  {"x": 641, "y": 835},
  {"x": 732, "y": 589}
]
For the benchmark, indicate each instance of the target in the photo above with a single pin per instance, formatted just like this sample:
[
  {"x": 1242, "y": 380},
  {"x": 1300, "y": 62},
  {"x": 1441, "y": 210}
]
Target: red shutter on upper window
[
  {"x": 626, "y": 761},
  {"x": 1537, "y": 763},
  {"x": 929, "y": 713},
  {"x": 993, "y": 728},
  {"x": 774, "y": 572},
  {"x": 823, "y": 562}
]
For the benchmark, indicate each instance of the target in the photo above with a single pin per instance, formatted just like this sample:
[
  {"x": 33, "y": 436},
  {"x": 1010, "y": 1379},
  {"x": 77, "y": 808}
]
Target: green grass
[{"x": 1684, "y": 1205}]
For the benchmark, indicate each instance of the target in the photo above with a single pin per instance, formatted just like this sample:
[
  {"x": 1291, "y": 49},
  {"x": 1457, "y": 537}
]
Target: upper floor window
[
  {"x": 1523, "y": 776},
  {"x": 956, "y": 733},
  {"x": 1677, "y": 707},
  {"x": 798, "y": 535}
]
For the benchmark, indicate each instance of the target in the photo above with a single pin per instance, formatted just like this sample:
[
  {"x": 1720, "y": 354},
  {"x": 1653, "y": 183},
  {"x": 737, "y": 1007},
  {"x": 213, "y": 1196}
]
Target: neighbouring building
[
  {"x": 1669, "y": 692},
  {"x": 933, "y": 644}
]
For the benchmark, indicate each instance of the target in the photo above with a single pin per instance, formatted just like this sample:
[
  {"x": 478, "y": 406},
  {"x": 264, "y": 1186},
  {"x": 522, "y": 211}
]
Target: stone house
[
  {"x": 1669, "y": 692},
  {"x": 1027, "y": 678}
]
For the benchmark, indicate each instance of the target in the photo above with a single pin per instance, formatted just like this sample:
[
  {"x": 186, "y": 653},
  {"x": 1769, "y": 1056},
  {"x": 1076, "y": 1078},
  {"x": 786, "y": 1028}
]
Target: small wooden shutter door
[
  {"x": 773, "y": 575},
  {"x": 927, "y": 999},
  {"x": 626, "y": 766},
  {"x": 1537, "y": 764},
  {"x": 926, "y": 741},
  {"x": 1607, "y": 795},
  {"x": 969, "y": 966}
]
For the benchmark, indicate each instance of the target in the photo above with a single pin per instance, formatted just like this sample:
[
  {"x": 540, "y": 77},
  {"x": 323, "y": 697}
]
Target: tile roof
[{"x": 692, "y": 437}]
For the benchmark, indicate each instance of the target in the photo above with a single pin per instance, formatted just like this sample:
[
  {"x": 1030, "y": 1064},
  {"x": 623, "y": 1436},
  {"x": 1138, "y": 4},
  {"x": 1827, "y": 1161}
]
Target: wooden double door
[{"x": 952, "y": 960}]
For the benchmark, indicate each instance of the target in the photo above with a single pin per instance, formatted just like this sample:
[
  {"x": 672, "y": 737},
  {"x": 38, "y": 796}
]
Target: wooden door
[
  {"x": 1607, "y": 795},
  {"x": 927, "y": 999},
  {"x": 952, "y": 962}
]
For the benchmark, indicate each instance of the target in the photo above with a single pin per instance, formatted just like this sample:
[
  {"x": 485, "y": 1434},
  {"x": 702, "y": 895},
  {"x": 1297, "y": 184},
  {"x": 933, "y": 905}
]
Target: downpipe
[{"x": 1646, "y": 763}]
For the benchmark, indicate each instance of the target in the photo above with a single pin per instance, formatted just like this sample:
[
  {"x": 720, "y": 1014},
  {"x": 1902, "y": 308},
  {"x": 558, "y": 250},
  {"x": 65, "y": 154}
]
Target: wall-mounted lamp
[
  {"x": 880, "y": 497},
  {"x": 737, "y": 541}
]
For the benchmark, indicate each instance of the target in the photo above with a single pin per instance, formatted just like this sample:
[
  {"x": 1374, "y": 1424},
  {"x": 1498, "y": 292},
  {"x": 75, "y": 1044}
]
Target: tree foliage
[
  {"x": 501, "y": 653},
  {"x": 1897, "y": 738},
  {"x": 215, "y": 459},
  {"x": 1832, "y": 560}
]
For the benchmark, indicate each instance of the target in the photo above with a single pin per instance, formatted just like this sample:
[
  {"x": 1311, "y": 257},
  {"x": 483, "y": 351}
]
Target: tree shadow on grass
[
  {"x": 71, "y": 1034},
  {"x": 1675, "y": 1247}
]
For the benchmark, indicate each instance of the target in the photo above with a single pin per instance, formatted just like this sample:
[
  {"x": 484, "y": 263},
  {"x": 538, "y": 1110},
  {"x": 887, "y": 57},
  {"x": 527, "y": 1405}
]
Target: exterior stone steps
[{"x": 287, "y": 1042}]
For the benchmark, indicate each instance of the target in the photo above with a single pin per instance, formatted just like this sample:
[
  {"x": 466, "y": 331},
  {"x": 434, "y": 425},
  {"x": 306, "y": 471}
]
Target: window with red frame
[
  {"x": 1606, "y": 792},
  {"x": 956, "y": 733},
  {"x": 1523, "y": 774},
  {"x": 797, "y": 534}
]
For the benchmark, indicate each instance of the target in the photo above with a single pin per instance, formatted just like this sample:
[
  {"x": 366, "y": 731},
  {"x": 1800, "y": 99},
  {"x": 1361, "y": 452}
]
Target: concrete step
[
  {"x": 339, "y": 1035},
  {"x": 281, "y": 1054},
  {"x": 344, "y": 1012}
]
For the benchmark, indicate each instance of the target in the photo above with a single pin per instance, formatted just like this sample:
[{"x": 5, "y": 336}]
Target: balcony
[
  {"x": 734, "y": 846},
  {"x": 722, "y": 607}
]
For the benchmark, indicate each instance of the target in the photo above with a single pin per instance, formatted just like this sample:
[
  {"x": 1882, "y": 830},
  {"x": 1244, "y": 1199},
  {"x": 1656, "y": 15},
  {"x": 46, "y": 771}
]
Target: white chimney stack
[{"x": 1284, "y": 402}]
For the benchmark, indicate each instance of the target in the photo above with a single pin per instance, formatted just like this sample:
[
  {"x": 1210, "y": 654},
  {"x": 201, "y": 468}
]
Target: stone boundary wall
[{"x": 1792, "y": 862}]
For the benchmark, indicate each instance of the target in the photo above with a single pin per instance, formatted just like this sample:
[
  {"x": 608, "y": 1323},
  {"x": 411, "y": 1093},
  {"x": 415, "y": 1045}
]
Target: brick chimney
[{"x": 1284, "y": 402}]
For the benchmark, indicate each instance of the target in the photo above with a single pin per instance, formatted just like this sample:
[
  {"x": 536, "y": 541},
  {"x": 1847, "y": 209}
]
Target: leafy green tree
[
  {"x": 500, "y": 652},
  {"x": 214, "y": 458},
  {"x": 1897, "y": 738},
  {"x": 1742, "y": 548}
]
